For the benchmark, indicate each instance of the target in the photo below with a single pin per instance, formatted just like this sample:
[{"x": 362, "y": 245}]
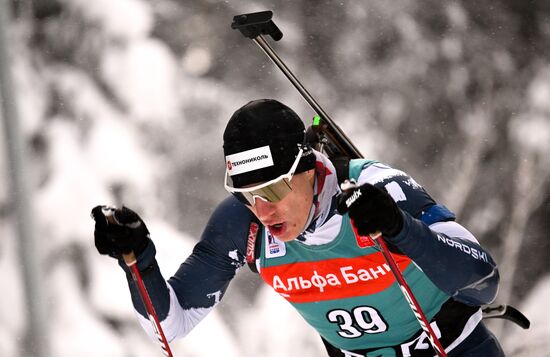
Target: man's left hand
[{"x": 371, "y": 210}]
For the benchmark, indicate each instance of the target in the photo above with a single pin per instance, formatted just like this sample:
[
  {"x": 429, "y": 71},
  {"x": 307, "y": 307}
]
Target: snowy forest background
[{"x": 125, "y": 101}]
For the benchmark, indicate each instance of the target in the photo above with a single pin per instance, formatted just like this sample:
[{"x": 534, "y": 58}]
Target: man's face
[{"x": 286, "y": 219}]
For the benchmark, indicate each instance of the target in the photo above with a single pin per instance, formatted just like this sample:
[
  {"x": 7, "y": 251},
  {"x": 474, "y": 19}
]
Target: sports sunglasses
[{"x": 270, "y": 191}]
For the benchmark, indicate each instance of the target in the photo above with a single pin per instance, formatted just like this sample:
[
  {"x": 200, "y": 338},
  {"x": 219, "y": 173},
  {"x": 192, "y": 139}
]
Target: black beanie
[{"x": 260, "y": 142}]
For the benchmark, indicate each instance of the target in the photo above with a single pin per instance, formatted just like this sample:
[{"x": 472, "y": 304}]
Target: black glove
[
  {"x": 119, "y": 231},
  {"x": 371, "y": 209}
]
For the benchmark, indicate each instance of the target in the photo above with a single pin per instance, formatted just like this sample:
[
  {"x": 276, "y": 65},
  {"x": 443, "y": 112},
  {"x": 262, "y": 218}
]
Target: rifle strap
[
  {"x": 253, "y": 244},
  {"x": 341, "y": 164}
]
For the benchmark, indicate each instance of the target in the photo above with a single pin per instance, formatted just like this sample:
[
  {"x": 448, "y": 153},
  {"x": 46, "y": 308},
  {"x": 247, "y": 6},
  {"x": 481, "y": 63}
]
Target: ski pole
[
  {"x": 131, "y": 263},
  {"x": 379, "y": 242},
  {"x": 409, "y": 296},
  {"x": 130, "y": 260},
  {"x": 255, "y": 25}
]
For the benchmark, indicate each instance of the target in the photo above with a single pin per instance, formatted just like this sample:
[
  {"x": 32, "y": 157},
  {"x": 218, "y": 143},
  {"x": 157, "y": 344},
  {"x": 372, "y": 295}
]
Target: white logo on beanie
[{"x": 249, "y": 160}]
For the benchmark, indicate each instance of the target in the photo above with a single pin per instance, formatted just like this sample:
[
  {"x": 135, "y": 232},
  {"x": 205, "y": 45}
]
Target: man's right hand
[{"x": 119, "y": 231}]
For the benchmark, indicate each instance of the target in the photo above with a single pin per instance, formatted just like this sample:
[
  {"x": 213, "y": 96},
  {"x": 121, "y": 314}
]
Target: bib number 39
[{"x": 360, "y": 320}]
